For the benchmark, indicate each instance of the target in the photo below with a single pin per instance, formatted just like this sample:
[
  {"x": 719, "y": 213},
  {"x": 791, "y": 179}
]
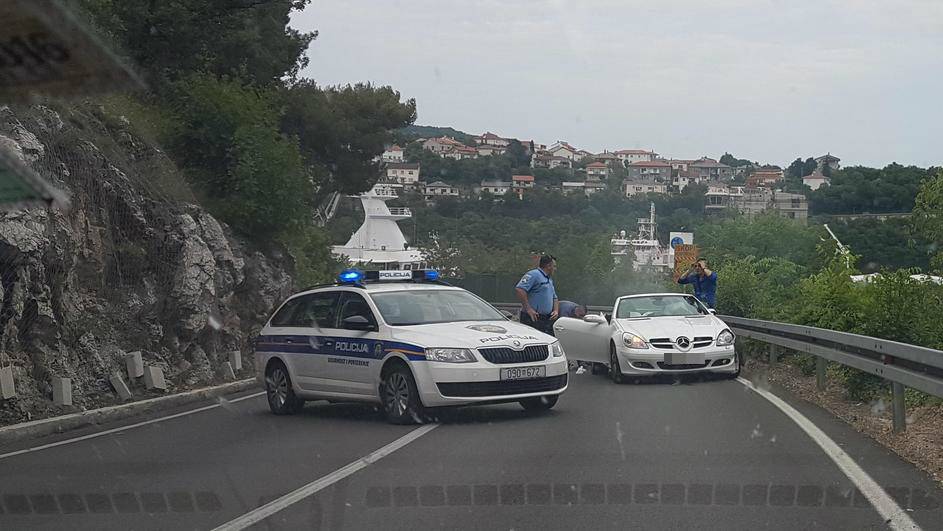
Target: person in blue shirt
[
  {"x": 704, "y": 281},
  {"x": 540, "y": 306},
  {"x": 572, "y": 309}
]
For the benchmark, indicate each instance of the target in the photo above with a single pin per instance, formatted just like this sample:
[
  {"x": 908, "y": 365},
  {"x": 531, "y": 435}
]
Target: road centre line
[
  {"x": 260, "y": 513},
  {"x": 894, "y": 516},
  {"x": 125, "y": 428}
]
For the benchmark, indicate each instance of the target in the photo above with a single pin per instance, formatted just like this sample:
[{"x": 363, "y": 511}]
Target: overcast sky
[{"x": 765, "y": 80}]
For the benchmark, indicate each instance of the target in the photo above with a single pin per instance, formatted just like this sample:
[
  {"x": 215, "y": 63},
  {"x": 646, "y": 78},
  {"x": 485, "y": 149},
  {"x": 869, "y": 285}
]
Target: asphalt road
[{"x": 702, "y": 454}]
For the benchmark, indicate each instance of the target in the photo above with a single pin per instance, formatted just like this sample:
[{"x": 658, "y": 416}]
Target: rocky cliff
[{"x": 130, "y": 265}]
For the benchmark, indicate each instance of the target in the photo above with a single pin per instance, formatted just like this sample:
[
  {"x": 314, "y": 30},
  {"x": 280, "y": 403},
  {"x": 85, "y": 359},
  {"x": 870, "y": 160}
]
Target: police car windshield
[
  {"x": 659, "y": 306},
  {"x": 415, "y": 307}
]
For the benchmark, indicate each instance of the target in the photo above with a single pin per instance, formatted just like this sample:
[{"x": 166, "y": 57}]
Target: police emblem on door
[{"x": 378, "y": 350}]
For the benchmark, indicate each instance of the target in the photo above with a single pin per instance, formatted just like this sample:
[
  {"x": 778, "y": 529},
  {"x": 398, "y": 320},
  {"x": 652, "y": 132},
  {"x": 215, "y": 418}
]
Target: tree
[
  {"x": 341, "y": 130},
  {"x": 858, "y": 189},
  {"x": 169, "y": 40},
  {"x": 518, "y": 155},
  {"x": 734, "y": 162},
  {"x": 248, "y": 172},
  {"x": 928, "y": 217}
]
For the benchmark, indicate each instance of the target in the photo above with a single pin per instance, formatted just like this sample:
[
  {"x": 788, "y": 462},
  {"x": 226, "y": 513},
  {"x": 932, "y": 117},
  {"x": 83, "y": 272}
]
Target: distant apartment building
[
  {"x": 597, "y": 171},
  {"x": 680, "y": 165},
  {"x": 607, "y": 158},
  {"x": 487, "y": 150},
  {"x": 764, "y": 177},
  {"x": 816, "y": 180},
  {"x": 828, "y": 159},
  {"x": 708, "y": 169},
  {"x": 393, "y": 153},
  {"x": 460, "y": 152},
  {"x": 642, "y": 186},
  {"x": 564, "y": 150},
  {"x": 441, "y": 145},
  {"x": 655, "y": 169},
  {"x": 438, "y": 190},
  {"x": 560, "y": 162},
  {"x": 522, "y": 181},
  {"x": 491, "y": 139},
  {"x": 498, "y": 188},
  {"x": 629, "y": 156},
  {"x": 405, "y": 173},
  {"x": 753, "y": 201}
]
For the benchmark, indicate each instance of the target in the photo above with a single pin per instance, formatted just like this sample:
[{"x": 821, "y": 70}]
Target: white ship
[
  {"x": 646, "y": 253},
  {"x": 379, "y": 243}
]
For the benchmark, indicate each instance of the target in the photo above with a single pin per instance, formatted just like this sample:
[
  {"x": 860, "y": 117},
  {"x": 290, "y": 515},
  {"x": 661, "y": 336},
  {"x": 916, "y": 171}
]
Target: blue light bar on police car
[
  {"x": 393, "y": 275},
  {"x": 349, "y": 276}
]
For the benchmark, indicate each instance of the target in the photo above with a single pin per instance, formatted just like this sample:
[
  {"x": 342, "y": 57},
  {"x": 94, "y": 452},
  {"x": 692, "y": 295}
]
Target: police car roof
[{"x": 379, "y": 287}]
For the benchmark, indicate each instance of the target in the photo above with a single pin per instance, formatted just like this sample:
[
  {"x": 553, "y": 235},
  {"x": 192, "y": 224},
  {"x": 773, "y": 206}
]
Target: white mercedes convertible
[{"x": 651, "y": 334}]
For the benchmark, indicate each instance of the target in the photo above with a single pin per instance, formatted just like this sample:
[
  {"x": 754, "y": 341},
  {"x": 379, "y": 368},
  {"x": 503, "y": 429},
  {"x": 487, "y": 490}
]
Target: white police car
[{"x": 405, "y": 340}]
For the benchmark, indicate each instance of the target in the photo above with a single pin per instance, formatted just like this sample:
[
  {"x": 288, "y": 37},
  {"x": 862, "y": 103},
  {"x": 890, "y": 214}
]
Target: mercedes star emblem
[{"x": 683, "y": 343}]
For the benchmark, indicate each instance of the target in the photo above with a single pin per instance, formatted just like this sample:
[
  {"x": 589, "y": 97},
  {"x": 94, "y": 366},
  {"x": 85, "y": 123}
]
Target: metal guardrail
[
  {"x": 515, "y": 308},
  {"x": 901, "y": 364}
]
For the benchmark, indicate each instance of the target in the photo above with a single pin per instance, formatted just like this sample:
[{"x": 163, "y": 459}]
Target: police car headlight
[
  {"x": 556, "y": 349},
  {"x": 633, "y": 341},
  {"x": 725, "y": 338},
  {"x": 450, "y": 355}
]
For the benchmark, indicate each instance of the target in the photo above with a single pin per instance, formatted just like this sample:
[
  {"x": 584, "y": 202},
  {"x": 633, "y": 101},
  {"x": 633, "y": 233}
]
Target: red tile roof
[
  {"x": 523, "y": 178},
  {"x": 597, "y": 165}
]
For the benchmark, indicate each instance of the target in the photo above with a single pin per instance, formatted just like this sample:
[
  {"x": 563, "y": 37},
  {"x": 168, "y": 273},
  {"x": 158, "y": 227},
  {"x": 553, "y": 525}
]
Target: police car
[{"x": 405, "y": 340}]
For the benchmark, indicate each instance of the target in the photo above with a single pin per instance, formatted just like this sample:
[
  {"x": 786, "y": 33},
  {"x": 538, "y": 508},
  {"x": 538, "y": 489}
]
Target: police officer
[{"x": 539, "y": 304}]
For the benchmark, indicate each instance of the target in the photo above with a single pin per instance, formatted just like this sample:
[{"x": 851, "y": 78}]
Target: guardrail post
[
  {"x": 900, "y": 415},
  {"x": 820, "y": 373},
  {"x": 773, "y": 354}
]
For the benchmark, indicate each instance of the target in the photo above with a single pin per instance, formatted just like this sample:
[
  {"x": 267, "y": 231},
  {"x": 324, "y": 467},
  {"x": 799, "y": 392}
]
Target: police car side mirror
[
  {"x": 593, "y": 318},
  {"x": 712, "y": 311},
  {"x": 358, "y": 322}
]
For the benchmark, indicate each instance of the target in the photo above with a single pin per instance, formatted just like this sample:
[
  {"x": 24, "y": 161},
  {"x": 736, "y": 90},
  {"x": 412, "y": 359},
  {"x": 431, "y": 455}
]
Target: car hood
[
  {"x": 672, "y": 327},
  {"x": 471, "y": 334}
]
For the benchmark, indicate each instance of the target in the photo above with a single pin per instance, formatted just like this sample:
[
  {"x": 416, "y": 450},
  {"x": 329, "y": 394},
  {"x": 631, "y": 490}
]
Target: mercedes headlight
[
  {"x": 725, "y": 338},
  {"x": 633, "y": 341},
  {"x": 450, "y": 355},
  {"x": 556, "y": 349}
]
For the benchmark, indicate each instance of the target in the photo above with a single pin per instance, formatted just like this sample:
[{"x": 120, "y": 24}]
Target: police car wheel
[
  {"x": 539, "y": 403},
  {"x": 401, "y": 398},
  {"x": 615, "y": 370},
  {"x": 281, "y": 397}
]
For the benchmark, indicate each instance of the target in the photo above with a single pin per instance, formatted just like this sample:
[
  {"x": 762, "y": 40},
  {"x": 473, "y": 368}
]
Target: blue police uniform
[{"x": 540, "y": 295}]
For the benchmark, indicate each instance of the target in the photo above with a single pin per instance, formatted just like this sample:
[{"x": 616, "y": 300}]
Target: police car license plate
[{"x": 523, "y": 373}]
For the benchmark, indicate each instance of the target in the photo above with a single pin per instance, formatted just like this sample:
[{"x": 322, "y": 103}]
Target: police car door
[
  {"x": 314, "y": 323},
  {"x": 356, "y": 347}
]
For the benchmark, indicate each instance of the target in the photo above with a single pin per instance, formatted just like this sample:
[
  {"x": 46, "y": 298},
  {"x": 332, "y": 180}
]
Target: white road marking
[
  {"x": 124, "y": 428},
  {"x": 895, "y": 517},
  {"x": 260, "y": 513}
]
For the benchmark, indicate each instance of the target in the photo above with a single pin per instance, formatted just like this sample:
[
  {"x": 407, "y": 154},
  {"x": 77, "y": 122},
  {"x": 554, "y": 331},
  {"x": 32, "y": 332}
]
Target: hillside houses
[{"x": 747, "y": 188}]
